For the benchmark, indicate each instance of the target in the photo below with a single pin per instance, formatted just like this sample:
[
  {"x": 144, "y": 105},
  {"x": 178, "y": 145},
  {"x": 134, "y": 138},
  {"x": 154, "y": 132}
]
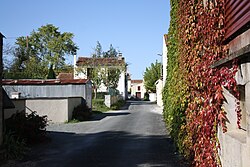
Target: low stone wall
[
  {"x": 57, "y": 109},
  {"x": 110, "y": 100}
]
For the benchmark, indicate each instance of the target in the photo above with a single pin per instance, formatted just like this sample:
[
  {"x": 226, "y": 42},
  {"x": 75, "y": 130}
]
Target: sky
[{"x": 134, "y": 27}]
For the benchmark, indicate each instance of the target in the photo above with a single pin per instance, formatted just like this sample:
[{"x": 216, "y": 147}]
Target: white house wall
[{"x": 164, "y": 60}]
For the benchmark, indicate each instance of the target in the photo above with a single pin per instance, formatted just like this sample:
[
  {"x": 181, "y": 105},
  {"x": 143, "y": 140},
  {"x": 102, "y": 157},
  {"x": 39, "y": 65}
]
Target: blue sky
[{"x": 135, "y": 27}]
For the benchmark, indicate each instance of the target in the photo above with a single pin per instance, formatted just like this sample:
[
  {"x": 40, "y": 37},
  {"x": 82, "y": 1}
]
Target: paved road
[{"x": 134, "y": 136}]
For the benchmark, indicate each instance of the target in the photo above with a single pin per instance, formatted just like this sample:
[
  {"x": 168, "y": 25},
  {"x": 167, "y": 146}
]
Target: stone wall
[
  {"x": 110, "y": 100},
  {"x": 235, "y": 143}
]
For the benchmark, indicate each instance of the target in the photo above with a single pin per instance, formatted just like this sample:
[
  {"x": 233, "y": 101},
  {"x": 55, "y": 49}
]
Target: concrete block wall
[
  {"x": 235, "y": 144},
  {"x": 57, "y": 109}
]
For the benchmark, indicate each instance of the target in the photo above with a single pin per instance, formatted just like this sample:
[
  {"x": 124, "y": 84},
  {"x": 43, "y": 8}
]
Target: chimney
[{"x": 120, "y": 56}]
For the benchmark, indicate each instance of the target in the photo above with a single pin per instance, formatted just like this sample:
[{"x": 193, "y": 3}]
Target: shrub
[
  {"x": 30, "y": 127},
  {"x": 118, "y": 105},
  {"x": 146, "y": 96},
  {"x": 81, "y": 113},
  {"x": 98, "y": 105},
  {"x": 14, "y": 146}
]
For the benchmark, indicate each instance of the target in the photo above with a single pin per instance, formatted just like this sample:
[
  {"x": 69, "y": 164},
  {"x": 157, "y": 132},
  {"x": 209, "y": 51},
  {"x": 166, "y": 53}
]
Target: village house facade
[
  {"x": 84, "y": 65},
  {"x": 137, "y": 89}
]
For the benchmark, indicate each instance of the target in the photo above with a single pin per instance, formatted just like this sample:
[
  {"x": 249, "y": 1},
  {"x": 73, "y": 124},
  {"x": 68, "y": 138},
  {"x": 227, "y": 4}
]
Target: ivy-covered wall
[{"x": 193, "y": 95}]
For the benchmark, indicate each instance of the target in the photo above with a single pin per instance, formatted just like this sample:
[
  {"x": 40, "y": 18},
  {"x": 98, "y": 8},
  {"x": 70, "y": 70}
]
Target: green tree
[
  {"x": 48, "y": 45},
  {"x": 112, "y": 75},
  {"x": 98, "y": 50},
  {"x": 151, "y": 75},
  {"x": 51, "y": 74},
  {"x": 112, "y": 52}
]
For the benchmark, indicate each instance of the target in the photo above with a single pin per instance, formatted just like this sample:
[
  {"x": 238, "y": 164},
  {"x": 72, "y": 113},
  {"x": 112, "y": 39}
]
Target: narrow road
[{"x": 134, "y": 136}]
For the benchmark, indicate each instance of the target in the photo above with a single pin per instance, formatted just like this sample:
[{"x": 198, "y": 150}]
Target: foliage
[
  {"x": 99, "y": 106},
  {"x": 193, "y": 94},
  {"x": 51, "y": 74},
  {"x": 146, "y": 96},
  {"x": 99, "y": 74},
  {"x": 46, "y": 46},
  {"x": 81, "y": 113},
  {"x": 98, "y": 50},
  {"x": 174, "y": 90},
  {"x": 111, "y": 76},
  {"x": 151, "y": 75},
  {"x": 14, "y": 146},
  {"x": 118, "y": 105},
  {"x": 30, "y": 127}
]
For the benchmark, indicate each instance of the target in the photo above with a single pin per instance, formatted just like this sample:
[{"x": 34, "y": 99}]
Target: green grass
[
  {"x": 99, "y": 106},
  {"x": 72, "y": 121}
]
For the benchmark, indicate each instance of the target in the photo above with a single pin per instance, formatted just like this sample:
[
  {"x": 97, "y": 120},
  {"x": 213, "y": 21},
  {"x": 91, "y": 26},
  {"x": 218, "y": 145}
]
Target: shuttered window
[{"x": 237, "y": 15}]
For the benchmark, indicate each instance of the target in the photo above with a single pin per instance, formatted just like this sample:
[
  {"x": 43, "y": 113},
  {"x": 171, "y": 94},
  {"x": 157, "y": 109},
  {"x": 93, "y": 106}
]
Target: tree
[
  {"x": 47, "y": 46},
  {"x": 112, "y": 52},
  {"x": 151, "y": 75},
  {"x": 112, "y": 75},
  {"x": 98, "y": 50},
  {"x": 51, "y": 74}
]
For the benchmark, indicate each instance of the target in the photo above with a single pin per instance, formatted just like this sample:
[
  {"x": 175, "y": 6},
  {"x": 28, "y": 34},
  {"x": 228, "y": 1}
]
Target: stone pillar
[{"x": 247, "y": 104}]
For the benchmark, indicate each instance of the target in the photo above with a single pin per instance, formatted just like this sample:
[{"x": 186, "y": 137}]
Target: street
[{"x": 134, "y": 136}]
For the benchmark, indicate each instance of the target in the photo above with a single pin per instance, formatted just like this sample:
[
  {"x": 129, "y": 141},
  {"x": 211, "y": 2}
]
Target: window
[{"x": 139, "y": 88}]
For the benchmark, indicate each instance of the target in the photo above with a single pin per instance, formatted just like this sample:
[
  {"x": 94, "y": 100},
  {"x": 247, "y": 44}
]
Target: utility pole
[{"x": 1, "y": 93}]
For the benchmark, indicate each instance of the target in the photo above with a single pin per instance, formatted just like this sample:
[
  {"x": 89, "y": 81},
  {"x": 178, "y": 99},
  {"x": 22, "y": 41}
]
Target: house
[
  {"x": 159, "y": 89},
  {"x": 84, "y": 65},
  {"x": 164, "y": 58},
  {"x": 54, "y": 98},
  {"x": 63, "y": 76},
  {"x": 137, "y": 89},
  {"x": 235, "y": 143}
]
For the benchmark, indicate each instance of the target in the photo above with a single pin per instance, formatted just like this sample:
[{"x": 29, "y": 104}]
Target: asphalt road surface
[{"x": 134, "y": 136}]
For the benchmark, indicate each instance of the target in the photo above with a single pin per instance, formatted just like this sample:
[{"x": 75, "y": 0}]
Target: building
[
  {"x": 54, "y": 98},
  {"x": 164, "y": 58},
  {"x": 84, "y": 65},
  {"x": 235, "y": 143},
  {"x": 137, "y": 89}
]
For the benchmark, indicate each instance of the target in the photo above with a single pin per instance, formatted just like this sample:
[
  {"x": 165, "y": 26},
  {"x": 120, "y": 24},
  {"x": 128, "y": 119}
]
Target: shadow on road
[
  {"x": 97, "y": 116},
  {"x": 105, "y": 149},
  {"x": 100, "y": 116}
]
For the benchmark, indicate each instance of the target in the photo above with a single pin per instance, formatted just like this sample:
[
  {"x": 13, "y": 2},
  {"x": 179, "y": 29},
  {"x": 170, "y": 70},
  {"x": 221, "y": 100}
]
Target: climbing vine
[{"x": 194, "y": 90}]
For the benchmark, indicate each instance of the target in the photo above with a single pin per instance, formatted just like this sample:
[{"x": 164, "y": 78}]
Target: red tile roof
[
  {"x": 63, "y": 76},
  {"x": 89, "y": 61},
  {"x": 136, "y": 81},
  {"x": 43, "y": 82}
]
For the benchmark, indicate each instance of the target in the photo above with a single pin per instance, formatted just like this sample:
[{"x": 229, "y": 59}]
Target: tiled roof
[
  {"x": 63, "y": 76},
  {"x": 43, "y": 82},
  {"x": 136, "y": 81},
  {"x": 89, "y": 61}
]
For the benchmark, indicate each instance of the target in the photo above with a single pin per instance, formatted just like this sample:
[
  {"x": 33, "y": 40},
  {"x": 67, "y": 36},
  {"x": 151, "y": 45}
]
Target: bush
[
  {"x": 81, "y": 113},
  {"x": 118, "y": 105},
  {"x": 29, "y": 127},
  {"x": 146, "y": 96},
  {"x": 98, "y": 105},
  {"x": 14, "y": 146}
]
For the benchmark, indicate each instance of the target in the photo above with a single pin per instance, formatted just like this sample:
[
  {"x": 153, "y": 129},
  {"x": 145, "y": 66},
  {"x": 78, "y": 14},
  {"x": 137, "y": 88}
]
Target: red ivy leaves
[{"x": 201, "y": 33}]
